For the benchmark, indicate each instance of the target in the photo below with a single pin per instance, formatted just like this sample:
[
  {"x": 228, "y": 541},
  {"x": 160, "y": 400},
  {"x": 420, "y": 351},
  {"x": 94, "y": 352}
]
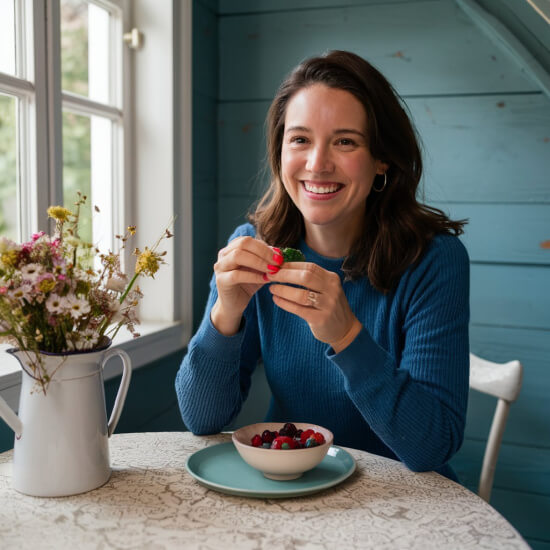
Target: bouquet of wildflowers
[{"x": 53, "y": 298}]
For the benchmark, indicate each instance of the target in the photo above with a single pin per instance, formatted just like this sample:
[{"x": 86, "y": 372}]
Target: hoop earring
[{"x": 380, "y": 189}]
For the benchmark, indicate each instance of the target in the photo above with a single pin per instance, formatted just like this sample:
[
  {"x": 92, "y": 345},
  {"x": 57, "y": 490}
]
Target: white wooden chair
[{"x": 503, "y": 381}]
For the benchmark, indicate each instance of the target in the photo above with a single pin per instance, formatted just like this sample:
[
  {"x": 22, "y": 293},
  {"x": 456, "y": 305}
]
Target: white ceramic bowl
[{"x": 280, "y": 464}]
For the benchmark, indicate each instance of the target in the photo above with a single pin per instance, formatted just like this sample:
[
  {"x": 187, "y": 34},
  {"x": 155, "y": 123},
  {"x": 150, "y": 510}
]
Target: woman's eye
[
  {"x": 346, "y": 141},
  {"x": 298, "y": 140}
]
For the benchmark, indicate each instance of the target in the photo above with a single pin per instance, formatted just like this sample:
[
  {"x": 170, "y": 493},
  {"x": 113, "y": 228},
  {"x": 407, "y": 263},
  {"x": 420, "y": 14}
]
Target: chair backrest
[{"x": 503, "y": 381}]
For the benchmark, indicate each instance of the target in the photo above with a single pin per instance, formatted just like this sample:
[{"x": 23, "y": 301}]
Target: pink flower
[
  {"x": 3, "y": 289},
  {"x": 36, "y": 236},
  {"x": 61, "y": 277}
]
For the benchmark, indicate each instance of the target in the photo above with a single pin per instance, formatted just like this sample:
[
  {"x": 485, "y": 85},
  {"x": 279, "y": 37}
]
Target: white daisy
[
  {"x": 86, "y": 340},
  {"x": 56, "y": 304},
  {"x": 22, "y": 292},
  {"x": 31, "y": 272},
  {"x": 77, "y": 307}
]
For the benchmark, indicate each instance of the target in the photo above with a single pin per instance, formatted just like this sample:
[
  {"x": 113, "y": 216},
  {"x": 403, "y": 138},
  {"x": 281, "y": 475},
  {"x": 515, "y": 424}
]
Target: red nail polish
[
  {"x": 265, "y": 278},
  {"x": 273, "y": 268},
  {"x": 278, "y": 259}
]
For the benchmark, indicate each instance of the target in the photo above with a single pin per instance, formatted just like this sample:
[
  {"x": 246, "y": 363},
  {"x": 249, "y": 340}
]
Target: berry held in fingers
[{"x": 293, "y": 255}]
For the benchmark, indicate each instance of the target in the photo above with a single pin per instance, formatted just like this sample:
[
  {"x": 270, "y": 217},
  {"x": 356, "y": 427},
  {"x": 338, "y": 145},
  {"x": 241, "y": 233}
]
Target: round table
[{"x": 151, "y": 501}]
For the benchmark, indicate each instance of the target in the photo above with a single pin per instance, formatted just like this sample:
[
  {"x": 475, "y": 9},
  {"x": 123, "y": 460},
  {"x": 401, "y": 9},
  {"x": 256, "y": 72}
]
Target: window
[
  {"x": 80, "y": 129},
  {"x": 92, "y": 114},
  {"x": 80, "y": 110}
]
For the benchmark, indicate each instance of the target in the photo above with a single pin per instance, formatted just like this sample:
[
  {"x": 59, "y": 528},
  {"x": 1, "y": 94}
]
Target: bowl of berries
[{"x": 282, "y": 452}]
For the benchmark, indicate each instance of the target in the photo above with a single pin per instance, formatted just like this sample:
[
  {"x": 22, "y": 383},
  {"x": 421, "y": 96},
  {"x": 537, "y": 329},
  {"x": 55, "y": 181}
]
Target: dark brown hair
[{"x": 397, "y": 228}]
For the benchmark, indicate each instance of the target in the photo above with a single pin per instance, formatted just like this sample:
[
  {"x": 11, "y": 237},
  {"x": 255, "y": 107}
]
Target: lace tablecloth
[{"x": 152, "y": 502}]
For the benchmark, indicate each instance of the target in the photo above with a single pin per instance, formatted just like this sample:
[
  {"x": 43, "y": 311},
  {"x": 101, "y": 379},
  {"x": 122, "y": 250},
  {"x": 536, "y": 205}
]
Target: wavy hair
[{"x": 397, "y": 227}]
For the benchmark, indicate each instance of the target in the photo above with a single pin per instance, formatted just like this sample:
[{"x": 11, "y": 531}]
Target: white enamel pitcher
[{"x": 61, "y": 437}]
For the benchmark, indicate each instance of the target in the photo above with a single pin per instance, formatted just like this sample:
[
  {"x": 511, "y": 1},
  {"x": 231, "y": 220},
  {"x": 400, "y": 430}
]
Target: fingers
[
  {"x": 307, "y": 275},
  {"x": 299, "y": 296},
  {"x": 248, "y": 253}
]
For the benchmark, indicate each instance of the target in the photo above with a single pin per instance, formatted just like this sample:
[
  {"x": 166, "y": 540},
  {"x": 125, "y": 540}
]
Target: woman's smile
[{"x": 317, "y": 190}]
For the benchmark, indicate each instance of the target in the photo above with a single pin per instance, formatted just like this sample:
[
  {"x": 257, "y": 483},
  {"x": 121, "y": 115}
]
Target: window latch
[{"x": 133, "y": 39}]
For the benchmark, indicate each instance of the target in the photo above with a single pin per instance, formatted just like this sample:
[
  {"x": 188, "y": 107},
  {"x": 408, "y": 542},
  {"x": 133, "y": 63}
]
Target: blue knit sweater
[{"x": 400, "y": 389}]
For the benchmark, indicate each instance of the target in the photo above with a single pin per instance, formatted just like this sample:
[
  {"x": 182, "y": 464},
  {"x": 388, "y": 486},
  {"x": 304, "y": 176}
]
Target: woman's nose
[{"x": 318, "y": 160}]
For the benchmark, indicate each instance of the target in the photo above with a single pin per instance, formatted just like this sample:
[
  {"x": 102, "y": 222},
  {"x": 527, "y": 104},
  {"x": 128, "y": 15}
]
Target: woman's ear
[{"x": 381, "y": 167}]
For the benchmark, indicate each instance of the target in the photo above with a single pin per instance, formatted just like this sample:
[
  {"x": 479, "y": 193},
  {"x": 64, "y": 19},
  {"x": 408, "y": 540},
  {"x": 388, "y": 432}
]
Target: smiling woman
[{"x": 369, "y": 335}]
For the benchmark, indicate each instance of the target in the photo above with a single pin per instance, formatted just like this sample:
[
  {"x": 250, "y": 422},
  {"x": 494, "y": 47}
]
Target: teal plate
[{"x": 221, "y": 468}]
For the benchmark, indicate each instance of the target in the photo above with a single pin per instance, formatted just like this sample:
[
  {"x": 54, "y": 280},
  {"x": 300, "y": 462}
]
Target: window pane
[
  {"x": 77, "y": 167},
  {"x": 7, "y": 36},
  {"x": 8, "y": 167},
  {"x": 85, "y": 49},
  {"x": 87, "y": 167}
]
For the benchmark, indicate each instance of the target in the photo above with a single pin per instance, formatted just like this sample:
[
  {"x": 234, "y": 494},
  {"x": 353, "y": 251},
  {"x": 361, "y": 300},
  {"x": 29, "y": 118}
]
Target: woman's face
[{"x": 326, "y": 165}]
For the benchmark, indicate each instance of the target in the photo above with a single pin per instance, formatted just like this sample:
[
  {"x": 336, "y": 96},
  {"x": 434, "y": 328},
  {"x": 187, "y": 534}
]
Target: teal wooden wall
[
  {"x": 205, "y": 149},
  {"x": 486, "y": 133}
]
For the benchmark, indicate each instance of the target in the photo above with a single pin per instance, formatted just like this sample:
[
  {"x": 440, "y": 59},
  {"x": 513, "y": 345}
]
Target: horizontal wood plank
[
  {"x": 422, "y": 47},
  {"x": 510, "y": 295},
  {"x": 485, "y": 149},
  {"x": 507, "y": 233}
]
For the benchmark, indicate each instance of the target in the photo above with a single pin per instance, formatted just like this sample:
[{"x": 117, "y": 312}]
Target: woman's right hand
[{"x": 240, "y": 271}]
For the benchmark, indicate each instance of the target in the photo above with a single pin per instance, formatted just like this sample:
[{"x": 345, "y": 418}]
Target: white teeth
[{"x": 321, "y": 189}]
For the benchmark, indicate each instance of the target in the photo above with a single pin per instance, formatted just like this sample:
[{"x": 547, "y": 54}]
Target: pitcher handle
[{"x": 122, "y": 389}]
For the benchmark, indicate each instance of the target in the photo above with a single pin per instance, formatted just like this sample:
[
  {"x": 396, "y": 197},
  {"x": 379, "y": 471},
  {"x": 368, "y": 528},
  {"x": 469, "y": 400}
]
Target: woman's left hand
[{"x": 321, "y": 302}]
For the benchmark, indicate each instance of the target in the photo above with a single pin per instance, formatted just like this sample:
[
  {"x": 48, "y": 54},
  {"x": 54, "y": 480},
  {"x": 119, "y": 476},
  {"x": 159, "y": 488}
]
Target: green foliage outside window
[
  {"x": 8, "y": 167},
  {"x": 76, "y": 128}
]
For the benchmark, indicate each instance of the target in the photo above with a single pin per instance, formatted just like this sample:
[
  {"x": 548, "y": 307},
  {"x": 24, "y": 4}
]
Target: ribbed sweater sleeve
[
  {"x": 417, "y": 406},
  {"x": 214, "y": 378}
]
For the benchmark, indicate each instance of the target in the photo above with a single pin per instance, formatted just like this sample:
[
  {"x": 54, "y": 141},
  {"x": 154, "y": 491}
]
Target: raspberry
[
  {"x": 319, "y": 437},
  {"x": 257, "y": 441},
  {"x": 306, "y": 434},
  {"x": 278, "y": 443}
]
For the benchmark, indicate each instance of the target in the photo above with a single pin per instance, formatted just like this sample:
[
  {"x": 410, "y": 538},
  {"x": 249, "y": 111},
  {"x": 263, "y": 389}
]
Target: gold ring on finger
[{"x": 312, "y": 298}]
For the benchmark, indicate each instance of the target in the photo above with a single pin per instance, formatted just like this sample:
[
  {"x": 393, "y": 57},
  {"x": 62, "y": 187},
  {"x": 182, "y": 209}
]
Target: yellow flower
[
  {"x": 148, "y": 262},
  {"x": 59, "y": 213},
  {"x": 10, "y": 258},
  {"x": 46, "y": 285}
]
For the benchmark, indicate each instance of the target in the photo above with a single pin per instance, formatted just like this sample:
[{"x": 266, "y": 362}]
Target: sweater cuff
[
  {"x": 213, "y": 342},
  {"x": 362, "y": 355}
]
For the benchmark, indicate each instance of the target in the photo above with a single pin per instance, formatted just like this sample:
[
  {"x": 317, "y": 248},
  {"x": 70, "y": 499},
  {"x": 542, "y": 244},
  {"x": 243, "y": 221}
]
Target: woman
[{"x": 369, "y": 336}]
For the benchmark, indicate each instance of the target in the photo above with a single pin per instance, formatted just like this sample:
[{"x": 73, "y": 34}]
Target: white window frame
[{"x": 157, "y": 158}]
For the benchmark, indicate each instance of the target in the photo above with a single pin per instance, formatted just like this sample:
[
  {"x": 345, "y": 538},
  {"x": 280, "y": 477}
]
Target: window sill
[{"x": 157, "y": 340}]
